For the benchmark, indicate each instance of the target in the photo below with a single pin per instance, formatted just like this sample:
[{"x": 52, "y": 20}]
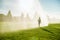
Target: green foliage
[{"x": 51, "y": 32}]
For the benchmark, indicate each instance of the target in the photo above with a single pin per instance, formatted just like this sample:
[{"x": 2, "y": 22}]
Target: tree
[
  {"x": 9, "y": 14},
  {"x": 27, "y": 17},
  {"x": 22, "y": 16}
]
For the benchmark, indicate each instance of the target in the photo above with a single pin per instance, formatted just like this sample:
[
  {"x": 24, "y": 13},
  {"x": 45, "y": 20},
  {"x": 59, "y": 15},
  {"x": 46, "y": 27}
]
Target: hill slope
[{"x": 46, "y": 33}]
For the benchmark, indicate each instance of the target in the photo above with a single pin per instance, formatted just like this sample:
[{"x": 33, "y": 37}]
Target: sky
[
  {"x": 44, "y": 8},
  {"x": 52, "y": 7}
]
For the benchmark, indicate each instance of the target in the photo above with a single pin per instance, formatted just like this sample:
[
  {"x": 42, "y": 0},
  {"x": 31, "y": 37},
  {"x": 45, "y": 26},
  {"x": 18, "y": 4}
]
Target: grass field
[{"x": 51, "y": 32}]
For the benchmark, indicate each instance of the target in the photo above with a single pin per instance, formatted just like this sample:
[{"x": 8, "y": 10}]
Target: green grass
[{"x": 51, "y": 32}]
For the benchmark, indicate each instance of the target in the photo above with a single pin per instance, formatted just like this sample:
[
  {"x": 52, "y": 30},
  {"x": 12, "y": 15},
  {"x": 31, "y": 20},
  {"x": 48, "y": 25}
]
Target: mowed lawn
[{"x": 51, "y": 32}]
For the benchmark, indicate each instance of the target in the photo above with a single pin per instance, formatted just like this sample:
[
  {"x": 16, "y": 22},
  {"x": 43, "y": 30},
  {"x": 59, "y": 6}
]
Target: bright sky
[
  {"x": 19, "y": 6},
  {"x": 50, "y": 7},
  {"x": 24, "y": 6}
]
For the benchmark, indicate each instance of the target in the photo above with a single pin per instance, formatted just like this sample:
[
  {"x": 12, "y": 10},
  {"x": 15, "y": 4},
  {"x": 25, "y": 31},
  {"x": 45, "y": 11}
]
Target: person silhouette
[{"x": 39, "y": 21}]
